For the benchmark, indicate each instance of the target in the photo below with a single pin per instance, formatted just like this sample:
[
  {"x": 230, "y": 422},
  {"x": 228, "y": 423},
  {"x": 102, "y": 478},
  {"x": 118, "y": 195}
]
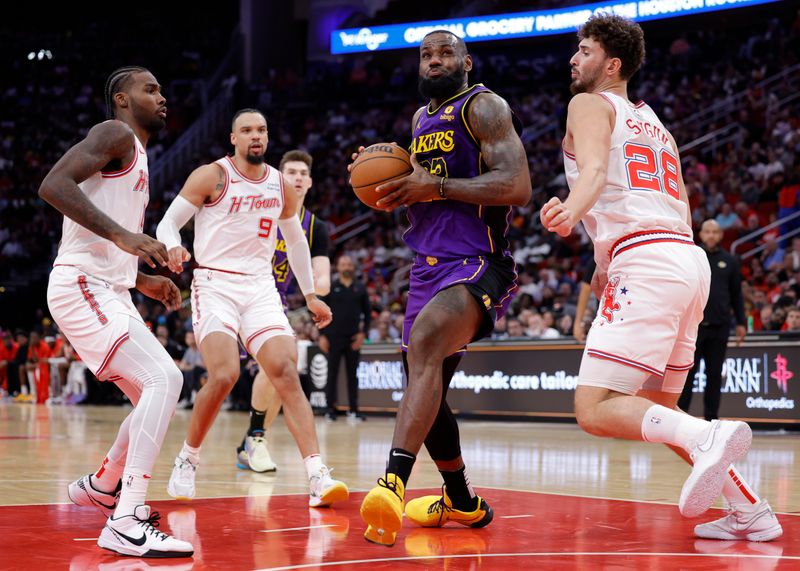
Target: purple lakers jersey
[
  {"x": 280, "y": 262},
  {"x": 445, "y": 146}
]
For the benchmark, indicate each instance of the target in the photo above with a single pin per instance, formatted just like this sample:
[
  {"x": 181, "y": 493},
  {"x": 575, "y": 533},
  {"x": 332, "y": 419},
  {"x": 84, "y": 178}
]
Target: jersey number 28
[{"x": 649, "y": 169}]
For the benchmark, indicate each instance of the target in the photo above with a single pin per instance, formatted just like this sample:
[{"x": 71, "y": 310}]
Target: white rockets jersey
[
  {"x": 641, "y": 192},
  {"x": 236, "y": 232},
  {"x": 123, "y": 196}
]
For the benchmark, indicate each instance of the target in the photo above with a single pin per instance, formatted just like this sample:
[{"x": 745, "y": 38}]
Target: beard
[
  {"x": 255, "y": 159},
  {"x": 151, "y": 122},
  {"x": 443, "y": 86},
  {"x": 583, "y": 85},
  {"x": 347, "y": 274}
]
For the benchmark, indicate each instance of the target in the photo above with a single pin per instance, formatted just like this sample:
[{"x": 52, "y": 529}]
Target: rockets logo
[
  {"x": 610, "y": 304},
  {"x": 781, "y": 374}
]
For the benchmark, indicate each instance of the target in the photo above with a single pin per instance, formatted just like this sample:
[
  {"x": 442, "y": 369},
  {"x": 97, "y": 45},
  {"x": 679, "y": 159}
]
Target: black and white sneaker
[
  {"x": 81, "y": 492},
  {"x": 137, "y": 535}
]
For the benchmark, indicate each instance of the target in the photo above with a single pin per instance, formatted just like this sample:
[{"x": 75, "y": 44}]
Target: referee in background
[
  {"x": 725, "y": 297},
  {"x": 345, "y": 335}
]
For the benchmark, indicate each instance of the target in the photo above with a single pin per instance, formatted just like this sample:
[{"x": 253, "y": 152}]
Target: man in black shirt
[
  {"x": 16, "y": 366},
  {"x": 712, "y": 337},
  {"x": 351, "y": 310}
]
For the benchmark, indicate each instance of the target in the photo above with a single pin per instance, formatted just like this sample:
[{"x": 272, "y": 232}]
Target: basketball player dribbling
[
  {"x": 239, "y": 203},
  {"x": 625, "y": 181},
  {"x": 469, "y": 170},
  {"x": 101, "y": 186},
  {"x": 265, "y": 403}
]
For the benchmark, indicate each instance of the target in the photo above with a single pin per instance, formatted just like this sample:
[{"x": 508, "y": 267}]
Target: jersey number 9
[{"x": 265, "y": 227}]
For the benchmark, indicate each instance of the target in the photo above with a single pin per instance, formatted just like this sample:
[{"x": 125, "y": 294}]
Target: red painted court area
[{"x": 280, "y": 532}]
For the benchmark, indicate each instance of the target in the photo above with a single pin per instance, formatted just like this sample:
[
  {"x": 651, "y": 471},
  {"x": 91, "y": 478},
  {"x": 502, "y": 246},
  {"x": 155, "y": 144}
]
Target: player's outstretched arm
[
  {"x": 299, "y": 255},
  {"x": 205, "y": 182},
  {"x": 108, "y": 141},
  {"x": 590, "y": 122},
  {"x": 319, "y": 242},
  {"x": 684, "y": 194}
]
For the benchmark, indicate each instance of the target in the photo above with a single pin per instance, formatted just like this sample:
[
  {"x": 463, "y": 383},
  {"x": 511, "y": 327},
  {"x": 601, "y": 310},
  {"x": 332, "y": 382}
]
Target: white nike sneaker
[
  {"x": 137, "y": 535},
  {"x": 325, "y": 490},
  {"x": 81, "y": 492},
  {"x": 727, "y": 442},
  {"x": 760, "y": 524},
  {"x": 181, "y": 481},
  {"x": 255, "y": 455}
]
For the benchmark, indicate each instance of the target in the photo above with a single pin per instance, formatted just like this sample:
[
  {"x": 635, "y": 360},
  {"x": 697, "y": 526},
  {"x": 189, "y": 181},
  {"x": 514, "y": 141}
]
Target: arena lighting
[
  {"x": 520, "y": 24},
  {"x": 40, "y": 55}
]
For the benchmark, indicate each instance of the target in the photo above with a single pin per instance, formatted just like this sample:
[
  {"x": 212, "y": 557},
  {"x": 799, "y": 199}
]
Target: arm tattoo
[
  {"x": 507, "y": 182},
  {"x": 104, "y": 142},
  {"x": 220, "y": 183}
]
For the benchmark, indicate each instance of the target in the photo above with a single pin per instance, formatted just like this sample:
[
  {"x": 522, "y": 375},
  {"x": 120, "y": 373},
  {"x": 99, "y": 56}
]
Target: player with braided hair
[{"x": 101, "y": 186}]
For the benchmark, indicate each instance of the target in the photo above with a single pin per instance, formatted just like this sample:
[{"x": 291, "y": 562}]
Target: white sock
[
  {"x": 737, "y": 492},
  {"x": 666, "y": 425},
  {"x": 313, "y": 464},
  {"x": 190, "y": 453},
  {"x": 133, "y": 493}
]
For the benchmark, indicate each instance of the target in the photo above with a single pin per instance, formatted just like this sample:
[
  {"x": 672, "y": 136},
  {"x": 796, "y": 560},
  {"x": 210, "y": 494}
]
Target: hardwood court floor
[{"x": 561, "y": 498}]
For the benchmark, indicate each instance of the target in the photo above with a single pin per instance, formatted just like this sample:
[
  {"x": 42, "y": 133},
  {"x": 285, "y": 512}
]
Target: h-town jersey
[
  {"x": 236, "y": 232},
  {"x": 123, "y": 196},
  {"x": 641, "y": 197}
]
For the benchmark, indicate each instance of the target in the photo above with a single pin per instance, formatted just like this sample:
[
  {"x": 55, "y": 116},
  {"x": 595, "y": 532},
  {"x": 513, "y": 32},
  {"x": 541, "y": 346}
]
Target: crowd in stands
[{"x": 744, "y": 184}]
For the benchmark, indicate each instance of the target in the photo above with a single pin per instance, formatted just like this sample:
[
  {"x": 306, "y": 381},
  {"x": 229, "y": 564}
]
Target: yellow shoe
[
  {"x": 435, "y": 511},
  {"x": 382, "y": 510}
]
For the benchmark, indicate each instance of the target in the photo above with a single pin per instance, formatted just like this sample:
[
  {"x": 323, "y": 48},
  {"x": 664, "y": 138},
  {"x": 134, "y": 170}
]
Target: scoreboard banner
[
  {"x": 520, "y": 24},
  {"x": 761, "y": 382}
]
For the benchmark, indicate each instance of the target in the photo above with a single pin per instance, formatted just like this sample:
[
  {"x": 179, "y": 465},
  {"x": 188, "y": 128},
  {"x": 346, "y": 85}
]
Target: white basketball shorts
[
  {"x": 243, "y": 305},
  {"x": 648, "y": 317},
  {"x": 93, "y": 315}
]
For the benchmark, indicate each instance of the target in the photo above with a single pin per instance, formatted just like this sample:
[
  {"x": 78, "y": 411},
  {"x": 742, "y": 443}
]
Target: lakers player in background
[
  {"x": 265, "y": 403},
  {"x": 624, "y": 175},
  {"x": 470, "y": 168}
]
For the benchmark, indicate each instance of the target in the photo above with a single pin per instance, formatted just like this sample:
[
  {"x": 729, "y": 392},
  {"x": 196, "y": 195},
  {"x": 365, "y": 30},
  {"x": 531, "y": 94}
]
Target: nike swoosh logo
[
  {"x": 706, "y": 446},
  {"x": 111, "y": 507},
  {"x": 138, "y": 542},
  {"x": 235, "y": 181},
  {"x": 403, "y": 455}
]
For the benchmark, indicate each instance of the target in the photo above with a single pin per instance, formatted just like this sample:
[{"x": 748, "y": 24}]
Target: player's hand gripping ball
[{"x": 375, "y": 165}]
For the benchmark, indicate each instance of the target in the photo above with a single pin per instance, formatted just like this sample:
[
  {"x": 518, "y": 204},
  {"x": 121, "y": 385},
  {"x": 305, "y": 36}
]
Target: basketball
[{"x": 375, "y": 165}]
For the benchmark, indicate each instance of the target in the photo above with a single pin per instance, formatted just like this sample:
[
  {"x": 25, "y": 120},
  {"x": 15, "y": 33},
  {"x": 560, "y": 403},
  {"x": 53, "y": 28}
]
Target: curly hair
[{"x": 621, "y": 38}]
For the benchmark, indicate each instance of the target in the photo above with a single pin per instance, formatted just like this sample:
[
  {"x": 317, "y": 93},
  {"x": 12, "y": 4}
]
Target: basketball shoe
[
  {"x": 181, "y": 481},
  {"x": 435, "y": 511},
  {"x": 324, "y": 490},
  {"x": 382, "y": 510},
  {"x": 758, "y": 524},
  {"x": 137, "y": 535},
  {"x": 254, "y": 454},
  {"x": 81, "y": 492},
  {"x": 727, "y": 441}
]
